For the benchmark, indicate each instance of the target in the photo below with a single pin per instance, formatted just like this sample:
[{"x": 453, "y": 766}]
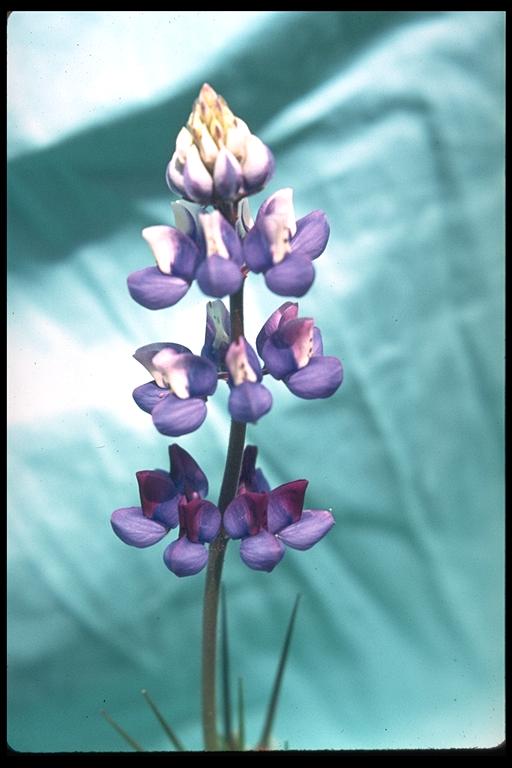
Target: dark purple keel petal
[
  {"x": 175, "y": 417},
  {"x": 291, "y": 277},
  {"x": 311, "y": 236},
  {"x": 237, "y": 517},
  {"x": 154, "y": 290},
  {"x": 320, "y": 378},
  {"x": 186, "y": 472},
  {"x": 251, "y": 477},
  {"x": 312, "y": 526},
  {"x": 249, "y": 401},
  {"x": 279, "y": 361},
  {"x": 155, "y": 489},
  {"x": 148, "y": 395},
  {"x": 185, "y": 558},
  {"x": 262, "y": 552},
  {"x": 135, "y": 529},
  {"x": 227, "y": 175},
  {"x": 285, "y": 504},
  {"x": 219, "y": 277},
  {"x": 256, "y": 251}
]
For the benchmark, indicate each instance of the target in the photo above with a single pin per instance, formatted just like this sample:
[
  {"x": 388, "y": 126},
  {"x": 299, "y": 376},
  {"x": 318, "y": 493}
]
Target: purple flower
[
  {"x": 292, "y": 350},
  {"x": 182, "y": 381},
  {"x": 217, "y": 159},
  {"x": 217, "y": 334},
  {"x": 283, "y": 248},
  {"x": 202, "y": 246},
  {"x": 248, "y": 399},
  {"x": 166, "y": 499},
  {"x": 267, "y": 520}
]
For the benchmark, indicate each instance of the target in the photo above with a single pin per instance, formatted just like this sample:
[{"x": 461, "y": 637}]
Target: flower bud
[{"x": 217, "y": 159}]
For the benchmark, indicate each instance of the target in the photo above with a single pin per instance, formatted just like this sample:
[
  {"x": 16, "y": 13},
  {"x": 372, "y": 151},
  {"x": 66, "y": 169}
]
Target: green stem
[{"x": 217, "y": 552}]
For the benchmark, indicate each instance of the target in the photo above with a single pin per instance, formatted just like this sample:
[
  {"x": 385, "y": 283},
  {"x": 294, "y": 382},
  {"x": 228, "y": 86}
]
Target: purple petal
[
  {"x": 197, "y": 180},
  {"x": 175, "y": 253},
  {"x": 320, "y": 378},
  {"x": 257, "y": 254},
  {"x": 227, "y": 175},
  {"x": 262, "y": 552},
  {"x": 249, "y": 401},
  {"x": 312, "y": 235},
  {"x": 291, "y": 277},
  {"x": 318, "y": 347},
  {"x": 135, "y": 529},
  {"x": 288, "y": 310},
  {"x": 159, "y": 497},
  {"x": 219, "y": 277},
  {"x": 279, "y": 360},
  {"x": 154, "y": 290},
  {"x": 285, "y": 504},
  {"x": 148, "y": 395},
  {"x": 312, "y": 526},
  {"x": 186, "y": 473},
  {"x": 298, "y": 336},
  {"x": 185, "y": 558},
  {"x": 236, "y": 517},
  {"x": 258, "y": 164},
  {"x": 201, "y": 374},
  {"x": 175, "y": 417},
  {"x": 210, "y": 520}
]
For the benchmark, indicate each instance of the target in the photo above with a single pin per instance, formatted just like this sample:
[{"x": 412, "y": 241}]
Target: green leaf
[
  {"x": 269, "y": 720},
  {"x": 121, "y": 731},
  {"x": 163, "y": 722}
]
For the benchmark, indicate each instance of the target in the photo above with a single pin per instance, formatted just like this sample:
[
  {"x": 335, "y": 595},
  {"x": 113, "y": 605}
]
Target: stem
[{"x": 217, "y": 551}]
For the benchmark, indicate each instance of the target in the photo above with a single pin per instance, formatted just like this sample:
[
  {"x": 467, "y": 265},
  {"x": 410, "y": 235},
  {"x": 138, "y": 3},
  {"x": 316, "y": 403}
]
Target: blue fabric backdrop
[{"x": 392, "y": 122}]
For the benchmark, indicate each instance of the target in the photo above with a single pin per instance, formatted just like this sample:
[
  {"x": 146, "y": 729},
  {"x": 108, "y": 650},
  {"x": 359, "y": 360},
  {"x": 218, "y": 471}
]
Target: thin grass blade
[
  {"x": 136, "y": 746},
  {"x": 269, "y": 720},
  {"x": 175, "y": 741}
]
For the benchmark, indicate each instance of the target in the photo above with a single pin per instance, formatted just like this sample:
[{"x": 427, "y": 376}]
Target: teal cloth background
[{"x": 392, "y": 122}]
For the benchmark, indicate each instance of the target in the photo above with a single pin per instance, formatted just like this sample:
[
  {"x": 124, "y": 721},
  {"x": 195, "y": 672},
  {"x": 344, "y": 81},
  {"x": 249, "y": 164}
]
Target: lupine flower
[
  {"x": 283, "y": 248},
  {"x": 217, "y": 158},
  {"x": 248, "y": 399},
  {"x": 182, "y": 381},
  {"x": 217, "y": 334},
  {"x": 201, "y": 245},
  {"x": 292, "y": 350},
  {"x": 267, "y": 520},
  {"x": 166, "y": 499}
]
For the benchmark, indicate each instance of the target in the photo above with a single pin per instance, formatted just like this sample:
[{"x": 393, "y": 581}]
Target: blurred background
[{"x": 391, "y": 122}]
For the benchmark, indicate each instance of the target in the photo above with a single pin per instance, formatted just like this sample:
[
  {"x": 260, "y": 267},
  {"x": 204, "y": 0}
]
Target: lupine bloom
[
  {"x": 176, "y": 398},
  {"x": 268, "y": 520},
  {"x": 202, "y": 246},
  {"x": 283, "y": 248},
  {"x": 217, "y": 334},
  {"x": 217, "y": 158},
  {"x": 292, "y": 350},
  {"x": 166, "y": 499},
  {"x": 248, "y": 399}
]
